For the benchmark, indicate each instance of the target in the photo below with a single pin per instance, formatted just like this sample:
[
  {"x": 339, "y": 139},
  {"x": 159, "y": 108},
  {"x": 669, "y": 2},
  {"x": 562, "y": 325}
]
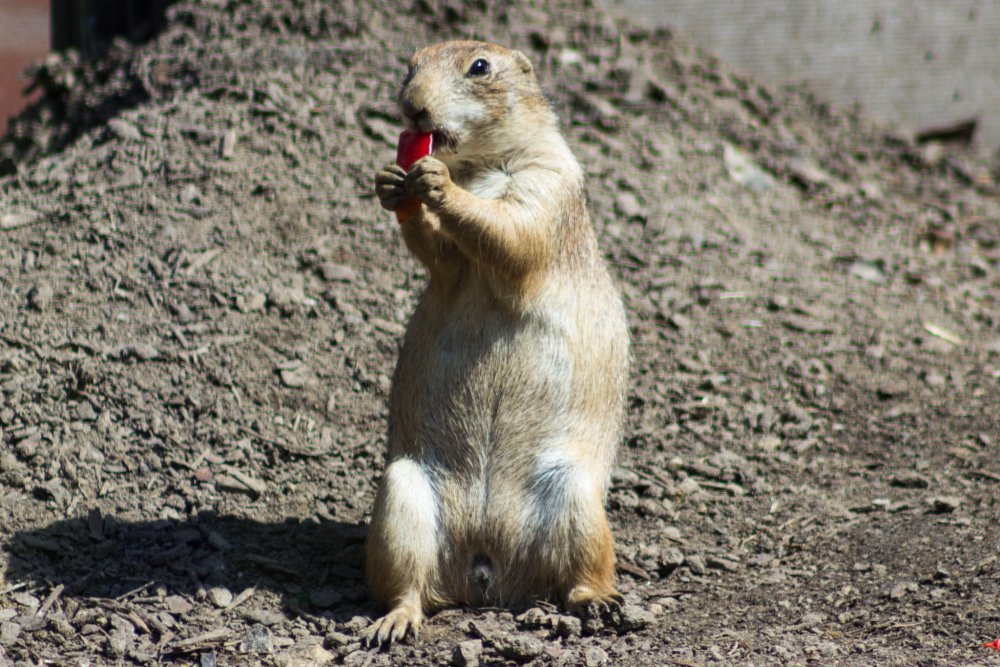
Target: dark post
[{"x": 90, "y": 26}]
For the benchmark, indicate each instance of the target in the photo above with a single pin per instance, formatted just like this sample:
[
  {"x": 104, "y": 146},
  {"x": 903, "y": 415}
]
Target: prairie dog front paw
[
  {"x": 428, "y": 180},
  {"x": 389, "y": 186}
]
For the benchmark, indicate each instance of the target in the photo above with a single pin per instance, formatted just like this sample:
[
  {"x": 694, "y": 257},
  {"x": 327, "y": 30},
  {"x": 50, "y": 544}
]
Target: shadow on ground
[{"x": 315, "y": 567}]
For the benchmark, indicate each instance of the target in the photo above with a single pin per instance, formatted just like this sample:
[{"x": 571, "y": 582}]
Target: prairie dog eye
[{"x": 481, "y": 67}]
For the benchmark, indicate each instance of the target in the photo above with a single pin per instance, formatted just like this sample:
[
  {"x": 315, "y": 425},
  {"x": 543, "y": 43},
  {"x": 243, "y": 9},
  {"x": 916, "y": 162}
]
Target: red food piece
[
  {"x": 995, "y": 644},
  {"x": 411, "y": 147}
]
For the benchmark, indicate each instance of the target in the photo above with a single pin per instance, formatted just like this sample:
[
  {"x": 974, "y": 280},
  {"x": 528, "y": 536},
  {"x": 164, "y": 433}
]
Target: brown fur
[{"x": 508, "y": 396}]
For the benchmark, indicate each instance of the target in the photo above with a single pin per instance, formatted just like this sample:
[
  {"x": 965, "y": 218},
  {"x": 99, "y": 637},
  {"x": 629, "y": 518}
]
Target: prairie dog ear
[{"x": 523, "y": 62}]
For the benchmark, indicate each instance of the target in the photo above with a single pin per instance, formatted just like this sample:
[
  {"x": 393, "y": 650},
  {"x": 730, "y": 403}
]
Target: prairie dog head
[{"x": 478, "y": 99}]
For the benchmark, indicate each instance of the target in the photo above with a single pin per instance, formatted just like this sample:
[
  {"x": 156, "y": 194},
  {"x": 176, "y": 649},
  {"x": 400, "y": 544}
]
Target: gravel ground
[{"x": 201, "y": 303}]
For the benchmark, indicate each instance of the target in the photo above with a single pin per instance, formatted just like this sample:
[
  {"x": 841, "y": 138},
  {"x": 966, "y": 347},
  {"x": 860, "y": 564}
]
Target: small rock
[
  {"x": 124, "y": 130},
  {"x": 183, "y": 313},
  {"x": 250, "y": 302},
  {"x": 40, "y": 297},
  {"x": 569, "y": 626},
  {"x": 934, "y": 379},
  {"x": 534, "y": 617},
  {"x": 295, "y": 378},
  {"x": 141, "y": 351},
  {"x": 594, "y": 656},
  {"x": 333, "y": 272},
  {"x": 316, "y": 655},
  {"x": 122, "y": 638},
  {"x": 265, "y": 617},
  {"x": 696, "y": 564},
  {"x": 520, "y": 648},
  {"x": 257, "y": 640},
  {"x": 745, "y": 171},
  {"x": 467, "y": 653},
  {"x": 812, "y": 619},
  {"x": 220, "y": 596},
  {"x": 175, "y": 604},
  {"x": 670, "y": 559},
  {"x": 718, "y": 563},
  {"x": 899, "y": 590},
  {"x": 336, "y": 639},
  {"x": 944, "y": 504},
  {"x": 391, "y": 328},
  {"x": 628, "y": 206},
  {"x": 9, "y": 632},
  {"x": 85, "y": 412},
  {"x": 672, "y": 533},
  {"x": 592, "y": 625},
  {"x": 357, "y": 623},
  {"x": 636, "y": 618},
  {"x": 288, "y": 300},
  {"x": 909, "y": 480},
  {"x": 869, "y": 271},
  {"x": 688, "y": 487},
  {"x": 227, "y": 145}
]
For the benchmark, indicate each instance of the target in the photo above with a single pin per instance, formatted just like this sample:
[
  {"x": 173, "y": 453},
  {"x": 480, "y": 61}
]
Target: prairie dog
[{"x": 507, "y": 401}]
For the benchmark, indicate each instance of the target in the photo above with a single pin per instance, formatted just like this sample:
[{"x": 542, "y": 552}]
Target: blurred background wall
[
  {"x": 24, "y": 37},
  {"x": 920, "y": 64}
]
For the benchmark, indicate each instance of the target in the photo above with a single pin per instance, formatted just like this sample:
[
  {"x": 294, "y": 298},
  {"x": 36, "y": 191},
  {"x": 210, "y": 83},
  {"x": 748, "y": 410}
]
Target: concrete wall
[{"x": 916, "y": 63}]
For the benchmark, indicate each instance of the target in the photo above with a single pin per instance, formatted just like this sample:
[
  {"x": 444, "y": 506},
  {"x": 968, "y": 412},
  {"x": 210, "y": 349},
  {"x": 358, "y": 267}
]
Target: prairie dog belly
[{"x": 481, "y": 382}]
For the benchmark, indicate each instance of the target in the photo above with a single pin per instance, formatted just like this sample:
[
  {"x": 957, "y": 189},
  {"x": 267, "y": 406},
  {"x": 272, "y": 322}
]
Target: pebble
[
  {"x": 635, "y": 618},
  {"x": 316, "y": 655},
  {"x": 264, "y": 616},
  {"x": 124, "y": 130},
  {"x": 520, "y": 649},
  {"x": 944, "y": 504},
  {"x": 257, "y": 639},
  {"x": 628, "y": 206},
  {"x": 336, "y": 639},
  {"x": 745, "y": 171},
  {"x": 909, "y": 480},
  {"x": 569, "y": 626},
  {"x": 250, "y": 302},
  {"x": 286, "y": 299},
  {"x": 670, "y": 559},
  {"x": 868, "y": 271},
  {"x": 901, "y": 589},
  {"x": 333, "y": 272},
  {"x": 467, "y": 653},
  {"x": 220, "y": 596},
  {"x": 85, "y": 412},
  {"x": 183, "y": 313},
  {"x": 718, "y": 563},
  {"x": 594, "y": 656},
  {"x": 141, "y": 351},
  {"x": 175, "y": 604},
  {"x": 40, "y": 297},
  {"x": 696, "y": 564},
  {"x": 9, "y": 632},
  {"x": 295, "y": 378}
]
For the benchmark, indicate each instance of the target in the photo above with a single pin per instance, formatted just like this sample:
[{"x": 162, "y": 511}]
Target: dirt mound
[{"x": 201, "y": 304}]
